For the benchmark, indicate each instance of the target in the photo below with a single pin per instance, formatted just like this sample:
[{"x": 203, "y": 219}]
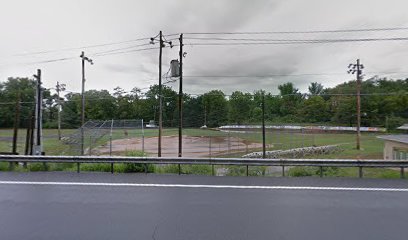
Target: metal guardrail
[{"x": 402, "y": 164}]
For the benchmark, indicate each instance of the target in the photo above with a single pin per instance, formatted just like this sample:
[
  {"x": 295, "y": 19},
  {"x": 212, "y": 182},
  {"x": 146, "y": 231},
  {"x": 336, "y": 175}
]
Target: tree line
[{"x": 384, "y": 102}]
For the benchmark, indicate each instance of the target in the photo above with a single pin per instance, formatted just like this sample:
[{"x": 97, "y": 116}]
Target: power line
[
  {"x": 285, "y": 42},
  {"x": 300, "y": 32},
  {"x": 119, "y": 49},
  {"x": 282, "y": 75},
  {"x": 81, "y": 48},
  {"x": 124, "y": 52}
]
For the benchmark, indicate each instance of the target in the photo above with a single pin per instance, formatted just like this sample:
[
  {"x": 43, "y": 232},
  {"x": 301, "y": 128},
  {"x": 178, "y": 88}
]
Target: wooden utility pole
[
  {"x": 160, "y": 96},
  {"x": 59, "y": 88},
  {"x": 263, "y": 127},
  {"x": 16, "y": 123},
  {"x": 38, "y": 115},
  {"x": 162, "y": 41},
  {"x": 357, "y": 69},
  {"x": 358, "y": 146},
  {"x": 181, "y": 98},
  {"x": 83, "y": 99}
]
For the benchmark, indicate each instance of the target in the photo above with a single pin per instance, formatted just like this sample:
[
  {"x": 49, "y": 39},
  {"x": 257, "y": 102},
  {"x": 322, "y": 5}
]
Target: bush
[
  {"x": 37, "y": 167},
  {"x": 136, "y": 167},
  {"x": 50, "y": 125},
  {"x": 302, "y": 172},
  {"x": 394, "y": 122}
]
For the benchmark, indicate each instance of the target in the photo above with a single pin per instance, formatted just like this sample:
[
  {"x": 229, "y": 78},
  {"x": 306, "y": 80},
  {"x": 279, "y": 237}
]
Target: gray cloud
[{"x": 74, "y": 23}]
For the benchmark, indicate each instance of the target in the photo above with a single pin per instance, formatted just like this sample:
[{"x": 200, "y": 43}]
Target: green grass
[
  {"x": 372, "y": 147},
  {"x": 343, "y": 172}
]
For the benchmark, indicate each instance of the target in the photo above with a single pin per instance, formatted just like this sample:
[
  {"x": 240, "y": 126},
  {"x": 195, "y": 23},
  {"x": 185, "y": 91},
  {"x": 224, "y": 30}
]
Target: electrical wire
[
  {"x": 284, "y": 42},
  {"x": 80, "y": 48},
  {"x": 124, "y": 52},
  {"x": 301, "y": 32}
]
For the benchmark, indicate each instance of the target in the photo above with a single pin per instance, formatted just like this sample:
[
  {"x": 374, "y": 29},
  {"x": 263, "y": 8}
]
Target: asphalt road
[{"x": 139, "y": 206}]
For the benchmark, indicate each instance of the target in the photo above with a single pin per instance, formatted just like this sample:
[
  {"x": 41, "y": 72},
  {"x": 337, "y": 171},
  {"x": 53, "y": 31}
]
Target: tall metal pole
[
  {"x": 358, "y": 105},
  {"x": 160, "y": 96},
  {"x": 181, "y": 98}
]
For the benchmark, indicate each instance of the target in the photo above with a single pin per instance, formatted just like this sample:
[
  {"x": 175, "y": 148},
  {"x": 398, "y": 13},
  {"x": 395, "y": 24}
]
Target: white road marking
[{"x": 205, "y": 186}]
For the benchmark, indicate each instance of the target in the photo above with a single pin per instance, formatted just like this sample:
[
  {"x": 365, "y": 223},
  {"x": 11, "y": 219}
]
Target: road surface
[{"x": 138, "y": 206}]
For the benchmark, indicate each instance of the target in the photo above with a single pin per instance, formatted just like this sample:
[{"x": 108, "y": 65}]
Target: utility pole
[
  {"x": 263, "y": 126},
  {"x": 357, "y": 69},
  {"x": 162, "y": 42},
  {"x": 160, "y": 96},
  {"x": 59, "y": 88},
  {"x": 181, "y": 98},
  {"x": 38, "y": 115},
  {"x": 83, "y": 98}
]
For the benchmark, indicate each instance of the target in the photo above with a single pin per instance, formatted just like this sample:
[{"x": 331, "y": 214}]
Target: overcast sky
[{"x": 35, "y": 26}]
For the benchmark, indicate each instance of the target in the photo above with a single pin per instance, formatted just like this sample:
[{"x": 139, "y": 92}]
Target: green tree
[
  {"x": 315, "y": 88},
  {"x": 290, "y": 100},
  {"x": 216, "y": 108},
  {"x": 315, "y": 109},
  {"x": 239, "y": 107}
]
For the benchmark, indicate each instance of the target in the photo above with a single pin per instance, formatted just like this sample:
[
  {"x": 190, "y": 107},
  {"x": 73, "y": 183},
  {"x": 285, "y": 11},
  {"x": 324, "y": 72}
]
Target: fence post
[
  {"x": 90, "y": 145},
  {"x": 402, "y": 172},
  {"x": 209, "y": 149}
]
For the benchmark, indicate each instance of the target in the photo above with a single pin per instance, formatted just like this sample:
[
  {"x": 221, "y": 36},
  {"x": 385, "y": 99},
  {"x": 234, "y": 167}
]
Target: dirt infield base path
[{"x": 192, "y": 146}]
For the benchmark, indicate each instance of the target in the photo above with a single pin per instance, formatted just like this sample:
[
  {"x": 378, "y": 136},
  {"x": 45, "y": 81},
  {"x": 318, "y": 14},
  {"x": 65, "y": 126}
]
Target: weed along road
[{"x": 139, "y": 206}]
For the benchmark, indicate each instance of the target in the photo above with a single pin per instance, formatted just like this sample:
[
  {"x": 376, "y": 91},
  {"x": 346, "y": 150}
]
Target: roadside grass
[
  {"x": 372, "y": 148},
  {"x": 184, "y": 169},
  {"x": 343, "y": 172}
]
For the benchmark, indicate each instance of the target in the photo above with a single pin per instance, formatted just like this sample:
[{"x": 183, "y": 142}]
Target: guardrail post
[
  {"x": 402, "y": 172},
  {"x": 212, "y": 169},
  {"x": 11, "y": 166},
  {"x": 145, "y": 168},
  {"x": 78, "y": 167},
  {"x": 179, "y": 169},
  {"x": 112, "y": 167},
  {"x": 283, "y": 171},
  {"x": 321, "y": 171},
  {"x": 360, "y": 172},
  {"x": 247, "y": 170}
]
